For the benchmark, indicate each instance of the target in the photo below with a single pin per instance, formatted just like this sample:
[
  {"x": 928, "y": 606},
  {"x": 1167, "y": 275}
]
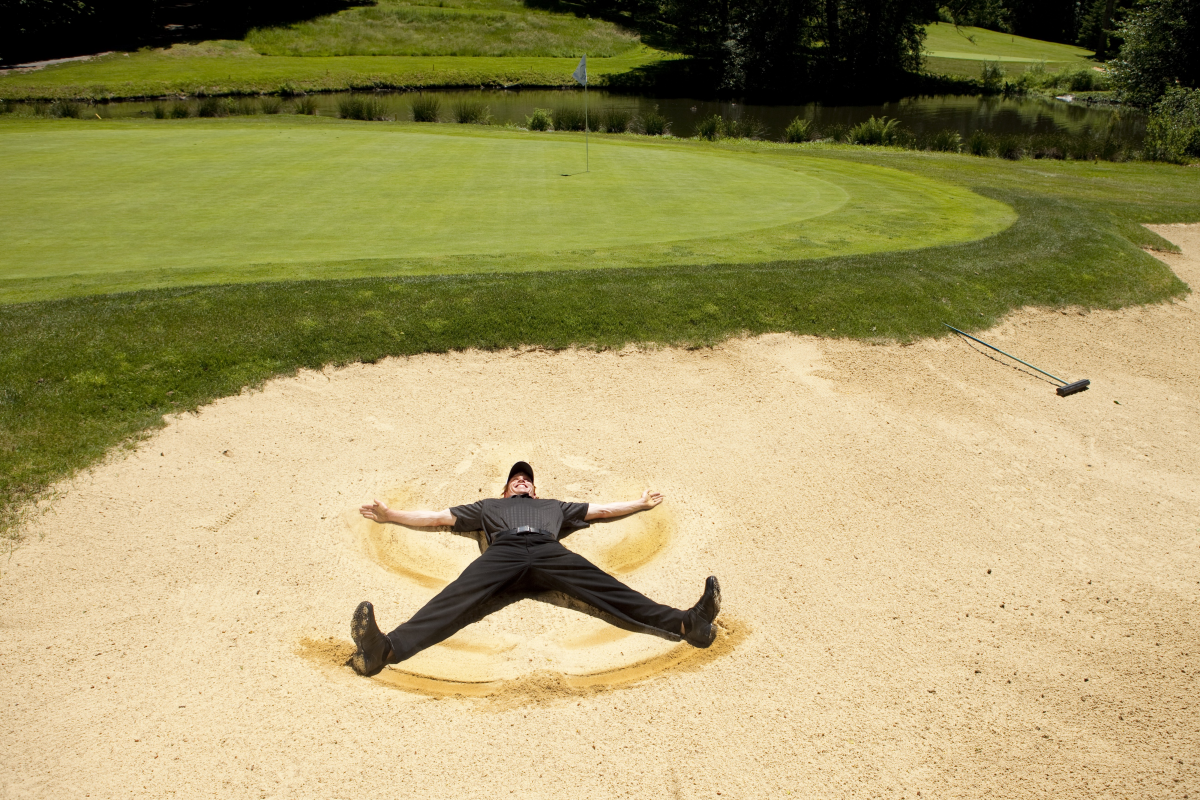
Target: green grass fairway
[
  {"x": 105, "y": 206},
  {"x": 964, "y": 51}
]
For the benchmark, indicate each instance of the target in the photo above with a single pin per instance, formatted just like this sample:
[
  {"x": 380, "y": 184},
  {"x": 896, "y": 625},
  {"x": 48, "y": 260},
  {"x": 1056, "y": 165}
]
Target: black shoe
[
  {"x": 373, "y": 648},
  {"x": 710, "y": 603},
  {"x": 699, "y": 632}
]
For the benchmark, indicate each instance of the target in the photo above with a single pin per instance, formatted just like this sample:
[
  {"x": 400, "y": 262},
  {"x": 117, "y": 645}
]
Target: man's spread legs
[{"x": 556, "y": 568}]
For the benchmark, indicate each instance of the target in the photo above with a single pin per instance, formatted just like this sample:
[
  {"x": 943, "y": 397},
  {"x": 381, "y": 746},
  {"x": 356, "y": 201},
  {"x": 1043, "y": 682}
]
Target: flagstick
[{"x": 587, "y": 153}]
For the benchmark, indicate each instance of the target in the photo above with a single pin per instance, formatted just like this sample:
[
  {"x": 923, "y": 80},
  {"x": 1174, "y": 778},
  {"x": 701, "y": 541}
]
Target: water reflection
[{"x": 919, "y": 114}]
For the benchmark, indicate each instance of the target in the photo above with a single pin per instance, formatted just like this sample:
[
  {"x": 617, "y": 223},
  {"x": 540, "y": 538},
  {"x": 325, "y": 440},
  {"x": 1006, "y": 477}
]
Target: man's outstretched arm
[
  {"x": 417, "y": 519},
  {"x": 649, "y": 499}
]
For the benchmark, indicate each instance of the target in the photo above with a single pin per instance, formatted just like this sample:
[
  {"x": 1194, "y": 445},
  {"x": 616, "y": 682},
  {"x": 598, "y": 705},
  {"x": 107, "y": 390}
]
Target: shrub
[
  {"x": 5, "y": 107},
  {"x": 798, "y": 130},
  {"x": 981, "y": 143},
  {"x": 271, "y": 105},
  {"x": 213, "y": 107},
  {"x": 711, "y": 128},
  {"x": 615, "y": 120},
  {"x": 1083, "y": 146},
  {"x": 1049, "y": 145},
  {"x": 540, "y": 121},
  {"x": 876, "y": 130},
  {"x": 568, "y": 118},
  {"x": 835, "y": 132},
  {"x": 306, "y": 105},
  {"x": 945, "y": 141},
  {"x": 745, "y": 128},
  {"x": 364, "y": 107},
  {"x": 1085, "y": 80},
  {"x": 992, "y": 77},
  {"x": 654, "y": 124},
  {"x": 160, "y": 111},
  {"x": 426, "y": 108},
  {"x": 472, "y": 112},
  {"x": 66, "y": 109},
  {"x": 1173, "y": 130},
  {"x": 38, "y": 108},
  {"x": 243, "y": 107},
  {"x": 1010, "y": 146},
  {"x": 180, "y": 110}
]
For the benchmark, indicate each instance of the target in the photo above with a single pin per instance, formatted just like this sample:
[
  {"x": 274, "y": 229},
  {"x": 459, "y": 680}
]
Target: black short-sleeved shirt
[{"x": 493, "y": 514}]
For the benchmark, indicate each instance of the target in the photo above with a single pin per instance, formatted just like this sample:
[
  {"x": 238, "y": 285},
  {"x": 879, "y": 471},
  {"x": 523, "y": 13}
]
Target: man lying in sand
[{"x": 523, "y": 555}]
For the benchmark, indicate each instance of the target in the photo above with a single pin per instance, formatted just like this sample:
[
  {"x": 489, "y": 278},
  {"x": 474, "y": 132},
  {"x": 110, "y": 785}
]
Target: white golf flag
[{"x": 580, "y": 73}]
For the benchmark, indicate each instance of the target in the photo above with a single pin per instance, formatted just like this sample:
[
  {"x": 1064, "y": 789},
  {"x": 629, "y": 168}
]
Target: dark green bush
[
  {"x": 798, "y": 130},
  {"x": 180, "y": 110},
  {"x": 271, "y": 105},
  {"x": 875, "y": 131},
  {"x": 472, "y": 112},
  {"x": 1010, "y": 146},
  {"x": 945, "y": 141},
  {"x": 835, "y": 132},
  {"x": 307, "y": 106},
  {"x": 426, "y": 108},
  {"x": 364, "y": 107},
  {"x": 540, "y": 121},
  {"x": 745, "y": 128},
  {"x": 160, "y": 111},
  {"x": 1173, "y": 131},
  {"x": 213, "y": 107},
  {"x": 1049, "y": 145},
  {"x": 711, "y": 128},
  {"x": 244, "y": 107},
  {"x": 568, "y": 118},
  {"x": 981, "y": 143},
  {"x": 992, "y": 77},
  {"x": 654, "y": 124},
  {"x": 66, "y": 109},
  {"x": 615, "y": 120}
]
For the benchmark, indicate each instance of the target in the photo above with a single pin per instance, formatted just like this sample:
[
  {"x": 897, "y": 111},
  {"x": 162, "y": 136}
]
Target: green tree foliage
[
  {"x": 36, "y": 29},
  {"x": 782, "y": 48},
  {"x": 1160, "y": 49},
  {"x": 1173, "y": 132},
  {"x": 1098, "y": 27}
]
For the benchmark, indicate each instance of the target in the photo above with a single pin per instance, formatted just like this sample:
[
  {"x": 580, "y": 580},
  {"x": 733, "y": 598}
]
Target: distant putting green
[{"x": 98, "y": 207}]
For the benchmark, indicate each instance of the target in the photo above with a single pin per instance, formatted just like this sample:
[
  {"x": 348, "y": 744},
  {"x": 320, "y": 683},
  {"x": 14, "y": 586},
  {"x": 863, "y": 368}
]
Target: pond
[{"x": 922, "y": 115}]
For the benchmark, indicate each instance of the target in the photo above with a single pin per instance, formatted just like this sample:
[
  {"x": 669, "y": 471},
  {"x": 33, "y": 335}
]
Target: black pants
[{"x": 528, "y": 563}]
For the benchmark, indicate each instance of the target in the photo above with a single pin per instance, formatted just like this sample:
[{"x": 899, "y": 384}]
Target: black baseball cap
[{"x": 520, "y": 466}]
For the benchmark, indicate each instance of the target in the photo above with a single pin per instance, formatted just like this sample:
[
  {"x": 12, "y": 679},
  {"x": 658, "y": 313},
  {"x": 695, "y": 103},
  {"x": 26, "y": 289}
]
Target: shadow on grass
[{"x": 79, "y": 376}]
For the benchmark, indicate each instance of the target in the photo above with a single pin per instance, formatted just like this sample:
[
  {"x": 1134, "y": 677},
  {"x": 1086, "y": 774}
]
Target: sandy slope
[{"x": 941, "y": 579}]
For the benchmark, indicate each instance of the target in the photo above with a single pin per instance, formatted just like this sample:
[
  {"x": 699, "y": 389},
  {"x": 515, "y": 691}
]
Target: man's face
[{"x": 520, "y": 484}]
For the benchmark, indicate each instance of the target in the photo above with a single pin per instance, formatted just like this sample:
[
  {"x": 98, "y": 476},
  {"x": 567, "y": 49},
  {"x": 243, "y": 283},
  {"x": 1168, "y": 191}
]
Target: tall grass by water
[
  {"x": 471, "y": 112},
  {"x": 364, "y": 107},
  {"x": 425, "y": 108},
  {"x": 615, "y": 120},
  {"x": 540, "y": 120},
  {"x": 568, "y": 118}
]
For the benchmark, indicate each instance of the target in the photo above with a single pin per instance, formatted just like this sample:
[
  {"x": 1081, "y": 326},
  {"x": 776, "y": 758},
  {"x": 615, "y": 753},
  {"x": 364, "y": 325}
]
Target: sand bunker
[{"x": 939, "y": 578}]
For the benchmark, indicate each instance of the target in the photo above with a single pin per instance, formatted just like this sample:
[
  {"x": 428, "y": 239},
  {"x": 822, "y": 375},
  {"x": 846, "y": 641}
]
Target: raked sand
[{"x": 940, "y": 579}]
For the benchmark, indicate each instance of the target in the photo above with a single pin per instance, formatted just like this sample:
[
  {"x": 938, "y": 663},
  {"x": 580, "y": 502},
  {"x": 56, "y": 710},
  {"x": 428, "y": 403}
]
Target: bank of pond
[{"x": 1007, "y": 127}]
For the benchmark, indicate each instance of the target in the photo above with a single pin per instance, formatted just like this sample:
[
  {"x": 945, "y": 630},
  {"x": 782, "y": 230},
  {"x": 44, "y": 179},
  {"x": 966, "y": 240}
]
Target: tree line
[{"x": 764, "y": 49}]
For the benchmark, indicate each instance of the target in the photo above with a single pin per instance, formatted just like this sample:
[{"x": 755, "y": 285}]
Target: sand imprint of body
[{"x": 548, "y": 639}]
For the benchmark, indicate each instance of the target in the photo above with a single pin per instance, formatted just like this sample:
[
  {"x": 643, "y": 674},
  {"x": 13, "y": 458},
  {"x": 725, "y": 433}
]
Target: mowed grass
[
  {"x": 101, "y": 207},
  {"x": 81, "y": 375},
  {"x": 215, "y": 68},
  {"x": 445, "y": 28},
  {"x": 962, "y": 51}
]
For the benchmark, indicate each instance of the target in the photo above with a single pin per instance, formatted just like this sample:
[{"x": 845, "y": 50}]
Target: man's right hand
[{"x": 376, "y": 511}]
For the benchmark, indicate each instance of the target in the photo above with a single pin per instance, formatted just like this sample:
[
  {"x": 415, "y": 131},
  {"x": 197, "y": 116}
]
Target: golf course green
[{"x": 98, "y": 207}]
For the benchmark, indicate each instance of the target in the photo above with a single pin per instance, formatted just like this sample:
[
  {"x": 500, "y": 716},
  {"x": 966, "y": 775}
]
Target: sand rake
[{"x": 1063, "y": 391}]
